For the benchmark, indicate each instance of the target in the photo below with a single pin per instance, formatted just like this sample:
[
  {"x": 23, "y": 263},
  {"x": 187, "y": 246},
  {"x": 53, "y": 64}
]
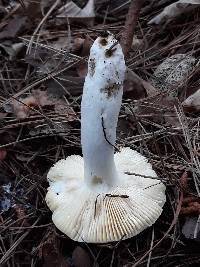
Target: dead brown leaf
[
  {"x": 12, "y": 50},
  {"x": 42, "y": 98},
  {"x": 72, "y": 11},
  {"x": 174, "y": 10},
  {"x": 23, "y": 107},
  {"x": 191, "y": 228},
  {"x": 32, "y": 9},
  {"x": 61, "y": 43},
  {"x": 13, "y": 27},
  {"x": 192, "y": 103},
  {"x": 137, "y": 44},
  {"x": 191, "y": 205}
]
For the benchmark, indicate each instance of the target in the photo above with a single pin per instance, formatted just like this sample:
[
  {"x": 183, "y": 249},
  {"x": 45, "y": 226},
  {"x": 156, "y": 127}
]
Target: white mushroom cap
[{"x": 123, "y": 212}]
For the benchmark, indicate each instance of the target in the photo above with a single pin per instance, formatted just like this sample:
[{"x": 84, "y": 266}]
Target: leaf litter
[{"x": 40, "y": 124}]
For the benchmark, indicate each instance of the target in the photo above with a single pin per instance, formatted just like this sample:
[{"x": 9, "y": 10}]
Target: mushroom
[{"x": 92, "y": 198}]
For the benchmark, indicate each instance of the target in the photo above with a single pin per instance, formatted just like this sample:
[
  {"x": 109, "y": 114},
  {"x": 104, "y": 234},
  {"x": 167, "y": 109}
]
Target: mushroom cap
[{"x": 123, "y": 212}]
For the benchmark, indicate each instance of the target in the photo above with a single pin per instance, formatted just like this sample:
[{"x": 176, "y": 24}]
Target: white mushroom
[{"x": 92, "y": 198}]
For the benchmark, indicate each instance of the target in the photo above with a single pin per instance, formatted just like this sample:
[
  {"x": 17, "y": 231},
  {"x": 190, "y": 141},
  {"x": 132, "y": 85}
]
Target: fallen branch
[{"x": 130, "y": 24}]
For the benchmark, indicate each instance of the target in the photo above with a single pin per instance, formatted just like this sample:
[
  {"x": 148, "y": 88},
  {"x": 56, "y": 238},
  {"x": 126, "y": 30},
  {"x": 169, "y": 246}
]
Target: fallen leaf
[
  {"x": 45, "y": 5},
  {"x": 174, "y": 10},
  {"x": 61, "y": 43},
  {"x": 13, "y": 27},
  {"x": 72, "y": 11},
  {"x": 81, "y": 258},
  {"x": 150, "y": 89},
  {"x": 192, "y": 208},
  {"x": 11, "y": 49},
  {"x": 78, "y": 43},
  {"x": 191, "y": 228},
  {"x": 192, "y": 103},
  {"x": 22, "y": 108},
  {"x": 32, "y": 9},
  {"x": 137, "y": 44},
  {"x": 42, "y": 98}
]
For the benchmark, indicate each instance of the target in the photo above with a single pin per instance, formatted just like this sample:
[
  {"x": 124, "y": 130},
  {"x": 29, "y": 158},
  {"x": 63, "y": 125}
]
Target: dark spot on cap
[
  {"x": 111, "y": 89},
  {"x": 103, "y": 42},
  {"x": 110, "y": 52},
  {"x": 96, "y": 180}
]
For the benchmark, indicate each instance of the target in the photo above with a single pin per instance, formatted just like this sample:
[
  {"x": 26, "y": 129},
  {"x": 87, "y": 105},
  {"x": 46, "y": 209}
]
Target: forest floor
[{"x": 44, "y": 46}]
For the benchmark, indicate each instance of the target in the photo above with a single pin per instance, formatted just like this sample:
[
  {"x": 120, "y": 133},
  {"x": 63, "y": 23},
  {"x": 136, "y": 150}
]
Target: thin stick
[
  {"x": 130, "y": 24},
  {"x": 40, "y": 25},
  {"x": 104, "y": 132},
  {"x": 112, "y": 46}
]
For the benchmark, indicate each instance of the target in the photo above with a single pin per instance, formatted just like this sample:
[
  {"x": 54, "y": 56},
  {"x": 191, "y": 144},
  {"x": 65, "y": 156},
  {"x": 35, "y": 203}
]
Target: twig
[
  {"x": 120, "y": 196},
  {"x": 149, "y": 258},
  {"x": 40, "y": 25},
  {"x": 104, "y": 132},
  {"x": 130, "y": 24},
  {"x": 145, "y": 176},
  {"x": 112, "y": 46}
]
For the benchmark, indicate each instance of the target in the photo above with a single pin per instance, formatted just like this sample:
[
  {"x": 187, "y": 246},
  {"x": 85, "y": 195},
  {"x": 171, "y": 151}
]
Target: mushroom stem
[{"x": 100, "y": 106}]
